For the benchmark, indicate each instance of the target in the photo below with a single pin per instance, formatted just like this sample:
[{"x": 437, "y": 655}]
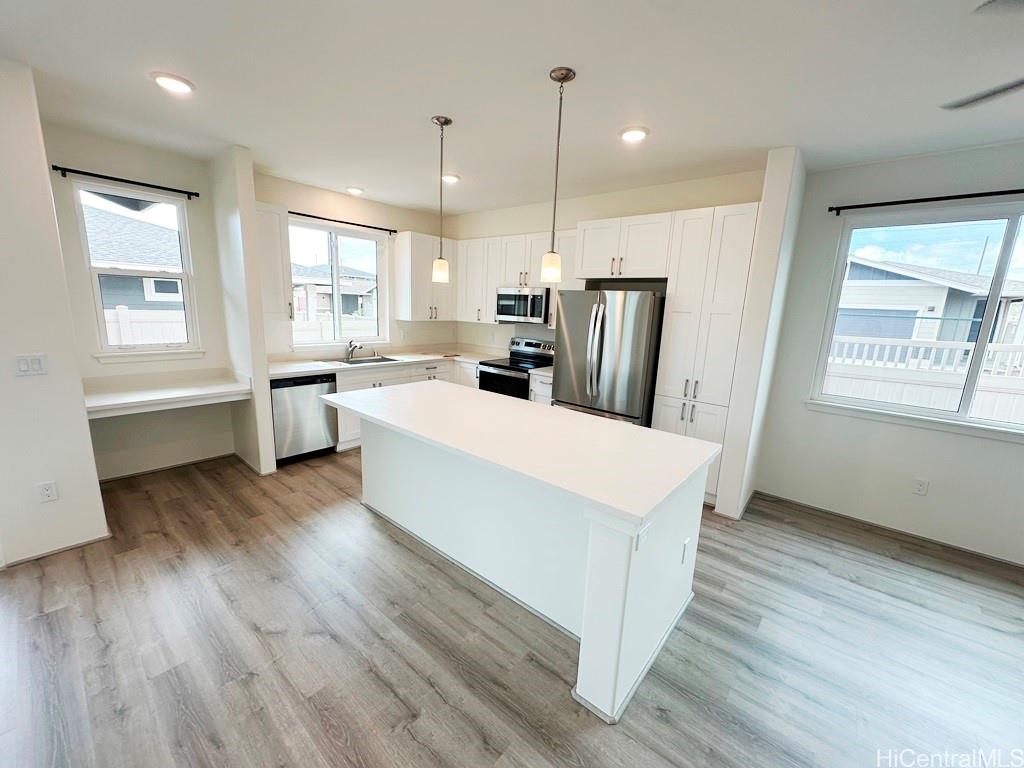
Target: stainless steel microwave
[{"x": 522, "y": 305}]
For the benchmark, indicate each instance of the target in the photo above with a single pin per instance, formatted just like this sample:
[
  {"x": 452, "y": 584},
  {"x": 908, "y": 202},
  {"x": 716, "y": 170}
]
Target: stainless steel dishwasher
[{"x": 303, "y": 423}]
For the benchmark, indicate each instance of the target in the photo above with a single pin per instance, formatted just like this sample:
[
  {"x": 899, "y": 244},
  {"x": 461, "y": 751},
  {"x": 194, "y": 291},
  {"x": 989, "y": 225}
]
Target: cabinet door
[
  {"x": 275, "y": 266},
  {"x": 644, "y": 246},
  {"x": 492, "y": 278},
  {"x": 691, "y": 240},
  {"x": 565, "y": 244},
  {"x": 707, "y": 422},
  {"x": 725, "y": 287},
  {"x": 536, "y": 246},
  {"x": 463, "y": 304},
  {"x": 668, "y": 414},
  {"x": 513, "y": 260},
  {"x": 414, "y": 256},
  {"x": 443, "y": 294},
  {"x": 597, "y": 247}
]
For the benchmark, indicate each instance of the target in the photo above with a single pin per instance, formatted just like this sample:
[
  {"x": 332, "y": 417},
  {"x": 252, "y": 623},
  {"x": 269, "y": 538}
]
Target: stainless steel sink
[{"x": 362, "y": 360}]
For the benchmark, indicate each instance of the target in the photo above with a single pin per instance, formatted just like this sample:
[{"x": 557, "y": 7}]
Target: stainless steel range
[{"x": 511, "y": 375}]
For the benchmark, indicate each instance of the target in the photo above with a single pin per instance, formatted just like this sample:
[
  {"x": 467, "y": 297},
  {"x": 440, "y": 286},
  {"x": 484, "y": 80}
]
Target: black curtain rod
[
  {"x": 65, "y": 171},
  {"x": 339, "y": 221},
  {"x": 838, "y": 209}
]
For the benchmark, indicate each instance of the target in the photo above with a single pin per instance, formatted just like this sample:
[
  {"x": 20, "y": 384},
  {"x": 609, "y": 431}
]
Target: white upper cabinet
[
  {"x": 644, "y": 245},
  {"x": 417, "y": 297},
  {"x": 472, "y": 268},
  {"x": 597, "y": 247},
  {"x": 725, "y": 288},
  {"x": 537, "y": 245},
  {"x": 275, "y": 264},
  {"x": 513, "y": 261},
  {"x": 492, "y": 278},
  {"x": 634, "y": 246}
]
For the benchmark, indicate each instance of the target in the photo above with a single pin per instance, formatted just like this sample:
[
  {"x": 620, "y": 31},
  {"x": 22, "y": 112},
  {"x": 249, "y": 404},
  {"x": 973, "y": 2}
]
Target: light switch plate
[{"x": 30, "y": 365}]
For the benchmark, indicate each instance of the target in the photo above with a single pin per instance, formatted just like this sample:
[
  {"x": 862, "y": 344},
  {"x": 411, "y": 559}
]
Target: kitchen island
[{"x": 590, "y": 523}]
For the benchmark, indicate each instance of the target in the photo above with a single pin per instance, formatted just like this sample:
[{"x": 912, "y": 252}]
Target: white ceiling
[{"x": 338, "y": 93}]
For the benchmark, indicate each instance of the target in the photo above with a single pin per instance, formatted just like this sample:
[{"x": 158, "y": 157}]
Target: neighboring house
[
  {"x": 892, "y": 300},
  {"x": 121, "y": 241},
  {"x": 311, "y": 287}
]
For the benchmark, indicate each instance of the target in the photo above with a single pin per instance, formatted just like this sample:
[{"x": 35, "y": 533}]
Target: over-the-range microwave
[{"x": 522, "y": 305}]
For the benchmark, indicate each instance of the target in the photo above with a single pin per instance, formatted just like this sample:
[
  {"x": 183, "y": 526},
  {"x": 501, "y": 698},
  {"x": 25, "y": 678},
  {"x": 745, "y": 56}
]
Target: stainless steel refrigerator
[{"x": 606, "y": 352}]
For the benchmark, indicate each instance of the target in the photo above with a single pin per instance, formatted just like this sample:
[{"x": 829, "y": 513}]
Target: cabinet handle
[
  {"x": 696, "y": 383},
  {"x": 478, "y": 314},
  {"x": 686, "y": 388},
  {"x": 526, "y": 279},
  {"x": 613, "y": 267},
  {"x": 430, "y": 368},
  {"x": 682, "y": 413},
  {"x": 291, "y": 310},
  {"x": 693, "y": 410},
  {"x": 620, "y": 266}
]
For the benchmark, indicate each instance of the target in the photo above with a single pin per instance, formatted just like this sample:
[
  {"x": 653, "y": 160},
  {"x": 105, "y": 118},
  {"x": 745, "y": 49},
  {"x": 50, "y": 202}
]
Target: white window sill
[
  {"x": 971, "y": 429},
  {"x": 139, "y": 356}
]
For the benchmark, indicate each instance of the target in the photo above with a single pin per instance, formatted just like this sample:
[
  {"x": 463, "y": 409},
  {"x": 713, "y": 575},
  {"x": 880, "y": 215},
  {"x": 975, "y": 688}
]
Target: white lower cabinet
[
  {"x": 540, "y": 388},
  {"x": 700, "y": 420},
  {"x": 466, "y": 374}
]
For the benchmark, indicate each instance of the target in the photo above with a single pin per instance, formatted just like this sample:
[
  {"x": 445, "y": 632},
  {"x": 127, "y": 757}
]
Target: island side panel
[
  {"x": 526, "y": 538},
  {"x": 639, "y": 582}
]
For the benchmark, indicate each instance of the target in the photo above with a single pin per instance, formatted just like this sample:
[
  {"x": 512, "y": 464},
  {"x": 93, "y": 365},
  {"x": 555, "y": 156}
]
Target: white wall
[
  {"x": 694, "y": 193},
  {"x": 44, "y": 434},
  {"x": 865, "y": 468},
  {"x": 234, "y": 203}
]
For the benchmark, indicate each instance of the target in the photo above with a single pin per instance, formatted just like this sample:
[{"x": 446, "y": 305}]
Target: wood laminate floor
[{"x": 242, "y": 621}]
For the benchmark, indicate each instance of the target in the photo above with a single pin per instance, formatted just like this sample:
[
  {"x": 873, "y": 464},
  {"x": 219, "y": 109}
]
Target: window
[
  {"x": 926, "y": 316},
  {"x": 137, "y": 248},
  {"x": 337, "y": 284}
]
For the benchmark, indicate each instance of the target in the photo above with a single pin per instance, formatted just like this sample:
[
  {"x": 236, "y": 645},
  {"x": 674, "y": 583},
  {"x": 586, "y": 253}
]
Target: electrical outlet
[
  {"x": 49, "y": 491},
  {"x": 921, "y": 487},
  {"x": 30, "y": 365}
]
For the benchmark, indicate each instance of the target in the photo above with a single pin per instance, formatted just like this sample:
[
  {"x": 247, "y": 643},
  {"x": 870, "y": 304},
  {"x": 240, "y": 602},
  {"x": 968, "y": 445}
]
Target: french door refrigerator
[{"x": 606, "y": 352}]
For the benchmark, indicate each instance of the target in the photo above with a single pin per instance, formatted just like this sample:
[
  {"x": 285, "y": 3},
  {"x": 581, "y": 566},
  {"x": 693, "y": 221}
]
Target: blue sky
[{"x": 971, "y": 247}]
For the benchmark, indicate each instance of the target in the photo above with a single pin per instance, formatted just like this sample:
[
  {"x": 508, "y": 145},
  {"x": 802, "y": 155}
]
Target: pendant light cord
[
  {"x": 440, "y": 204},
  {"x": 558, "y": 149}
]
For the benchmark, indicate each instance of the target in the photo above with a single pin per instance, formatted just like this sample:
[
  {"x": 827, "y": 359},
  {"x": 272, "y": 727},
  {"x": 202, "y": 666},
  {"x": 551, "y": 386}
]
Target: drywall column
[
  {"x": 44, "y": 432},
  {"x": 234, "y": 205},
  {"x": 777, "y": 220}
]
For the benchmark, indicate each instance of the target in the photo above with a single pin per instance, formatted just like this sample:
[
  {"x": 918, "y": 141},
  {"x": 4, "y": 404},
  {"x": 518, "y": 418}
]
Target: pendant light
[
  {"x": 439, "y": 272},
  {"x": 551, "y": 263}
]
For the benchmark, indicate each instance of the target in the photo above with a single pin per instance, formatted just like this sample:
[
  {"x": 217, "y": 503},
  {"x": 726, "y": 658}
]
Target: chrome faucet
[{"x": 352, "y": 347}]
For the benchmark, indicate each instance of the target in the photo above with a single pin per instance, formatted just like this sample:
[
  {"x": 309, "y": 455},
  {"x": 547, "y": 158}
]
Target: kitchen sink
[{"x": 376, "y": 359}]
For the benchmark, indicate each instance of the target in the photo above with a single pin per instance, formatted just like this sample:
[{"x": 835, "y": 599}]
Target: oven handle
[
  {"x": 502, "y": 372},
  {"x": 590, "y": 348}
]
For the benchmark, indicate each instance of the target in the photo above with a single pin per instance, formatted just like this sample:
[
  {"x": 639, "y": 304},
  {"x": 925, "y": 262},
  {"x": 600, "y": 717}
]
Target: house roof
[
  {"x": 961, "y": 281},
  {"x": 121, "y": 240}
]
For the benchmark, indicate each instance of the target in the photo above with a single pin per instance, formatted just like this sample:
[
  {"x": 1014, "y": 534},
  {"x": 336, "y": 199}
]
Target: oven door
[{"x": 511, "y": 383}]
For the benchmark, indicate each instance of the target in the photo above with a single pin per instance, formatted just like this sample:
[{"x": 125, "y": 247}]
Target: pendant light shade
[
  {"x": 439, "y": 269},
  {"x": 551, "y": 263}
]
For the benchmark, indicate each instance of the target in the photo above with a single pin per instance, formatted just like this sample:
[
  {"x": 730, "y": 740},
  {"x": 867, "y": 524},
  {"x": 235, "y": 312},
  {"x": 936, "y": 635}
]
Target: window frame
[
  {"x": 383, "y": 242},
  {"x": 188, "y": 296},
  {"x": 960, "y": 419}
]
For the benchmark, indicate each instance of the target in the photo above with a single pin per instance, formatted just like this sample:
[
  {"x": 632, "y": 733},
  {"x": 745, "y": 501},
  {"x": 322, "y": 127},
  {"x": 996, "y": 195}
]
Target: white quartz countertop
[
  {"x": 626, "y": 469},
  {"x": 280, "y": 370}
]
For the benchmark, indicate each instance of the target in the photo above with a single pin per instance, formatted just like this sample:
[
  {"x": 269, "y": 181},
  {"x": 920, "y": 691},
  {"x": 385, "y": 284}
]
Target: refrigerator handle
[
  {"x": 590, "y": 347},
  {"x": 595, "y": 366}
]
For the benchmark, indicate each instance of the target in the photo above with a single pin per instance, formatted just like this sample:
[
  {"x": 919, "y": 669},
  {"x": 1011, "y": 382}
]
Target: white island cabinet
[{"x": 597, "y": 532}]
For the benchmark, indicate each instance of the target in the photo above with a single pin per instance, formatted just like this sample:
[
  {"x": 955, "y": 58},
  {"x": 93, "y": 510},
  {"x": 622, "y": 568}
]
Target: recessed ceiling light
[
  {"x": 357, "y": 191},
  {"x": 449, "y": 178},
  {"x": 173, "y": 83},
  {"x": 634, "y": 134}
]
